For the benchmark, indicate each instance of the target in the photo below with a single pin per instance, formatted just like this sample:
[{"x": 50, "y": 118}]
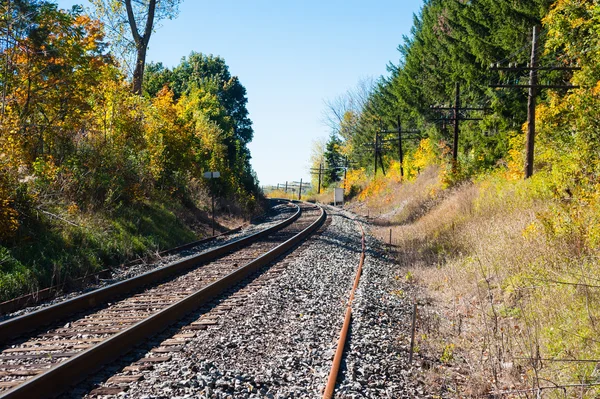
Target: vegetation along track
[{"x": 45, "y": 363}]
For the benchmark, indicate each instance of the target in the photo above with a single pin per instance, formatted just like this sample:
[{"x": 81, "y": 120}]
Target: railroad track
[{"x": 45, "y": 363}]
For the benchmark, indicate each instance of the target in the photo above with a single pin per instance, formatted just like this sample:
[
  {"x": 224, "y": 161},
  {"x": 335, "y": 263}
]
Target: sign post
[{"x": 212, "y": 175}]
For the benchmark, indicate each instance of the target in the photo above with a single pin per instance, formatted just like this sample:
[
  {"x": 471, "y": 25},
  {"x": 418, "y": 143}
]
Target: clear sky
[{"x": 291, "y": 56}]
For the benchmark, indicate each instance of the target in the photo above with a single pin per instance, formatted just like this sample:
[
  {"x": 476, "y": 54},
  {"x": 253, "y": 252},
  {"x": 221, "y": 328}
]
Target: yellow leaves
[
  {"x": 425, "y": 155},
  {"x": 45, "y": 169},
  {"x": 530, "y": 231},
  {"x": 355, "y": 177},
  {"x": 515, "y": 161}
]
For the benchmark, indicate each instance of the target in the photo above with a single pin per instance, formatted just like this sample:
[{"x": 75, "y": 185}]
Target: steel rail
[
  {"x": 36, "y": 297},
  {"x": 339, "y": 352},
  {"x": 18, "y": 326},
  {"x": 59, "y": 378}
]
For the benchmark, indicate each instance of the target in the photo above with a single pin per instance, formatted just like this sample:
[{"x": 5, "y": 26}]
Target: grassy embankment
[
  {"x": 62, "y": 243},
  {"x": 511, "y": 276}
]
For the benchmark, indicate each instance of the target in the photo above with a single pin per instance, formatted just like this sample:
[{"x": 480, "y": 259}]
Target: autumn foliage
[
  {"x": 75, "y": 141},
  {"x": 70, "y": 127}
]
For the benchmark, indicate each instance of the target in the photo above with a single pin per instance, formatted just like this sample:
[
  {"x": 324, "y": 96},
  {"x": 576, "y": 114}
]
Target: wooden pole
[
  {"x": 400, "y": 154},
  {"x": 320, "y": 170},
  {"x": 300, "y": 191},
  {"x": 456, "y": 122},
  {"x": 533, "y": 80},
  {"x": 376, "y": 149}
]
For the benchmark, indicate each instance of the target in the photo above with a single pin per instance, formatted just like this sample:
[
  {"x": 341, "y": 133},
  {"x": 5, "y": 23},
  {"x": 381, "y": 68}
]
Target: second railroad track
[{"x": 45, "y": 352}]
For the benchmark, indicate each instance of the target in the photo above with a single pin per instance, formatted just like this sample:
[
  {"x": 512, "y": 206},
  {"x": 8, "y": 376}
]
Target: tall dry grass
[{"x": 512, "y": 281}]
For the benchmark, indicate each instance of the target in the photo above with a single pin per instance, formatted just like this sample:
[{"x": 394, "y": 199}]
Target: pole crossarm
[
  {"x": 518, "y": 69},
  {"x": 516, "y": 86},
  {"x": 460, "y": 109}
]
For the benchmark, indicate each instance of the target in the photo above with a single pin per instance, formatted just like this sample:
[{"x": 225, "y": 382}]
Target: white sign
[
  {"x": 338, "y": 196},
  {"x": 212, "y": 175}
]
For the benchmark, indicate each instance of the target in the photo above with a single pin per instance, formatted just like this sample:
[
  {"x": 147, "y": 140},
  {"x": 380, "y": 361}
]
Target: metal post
[
  {"x": 213, "y": 210},
  {"x": 300, "y": 191},
  {"x": 401, "y": 155},
  {"x": 533, "y": 78},
  {"x": 412, "y": 335},
  {"x": 456, "y": 122}
]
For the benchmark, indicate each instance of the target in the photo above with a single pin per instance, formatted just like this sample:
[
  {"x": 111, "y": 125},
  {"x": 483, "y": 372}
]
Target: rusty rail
[{"x": 337, "y": 359}]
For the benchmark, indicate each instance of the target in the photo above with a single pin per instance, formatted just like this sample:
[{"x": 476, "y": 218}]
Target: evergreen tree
[{"x": 334, "y": 161}]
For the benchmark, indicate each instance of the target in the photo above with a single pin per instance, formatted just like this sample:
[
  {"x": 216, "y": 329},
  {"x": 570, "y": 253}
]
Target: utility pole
[
  {"x": 531, "y": 100},
  {"x": 534, "y": 88},
  {"x": 457, "y": 117},
  {"x": 346, "y": 164},
  {"x": 300, "y": 191},
  {"x": 376, "y": 149},
  {"x": 456, "y": 121},
  {"x": 320, "y": 171},
  {"x": 381, "y": 142},
  {"x": 378, "y": 153},
  {"x": 400, "y": 154}
]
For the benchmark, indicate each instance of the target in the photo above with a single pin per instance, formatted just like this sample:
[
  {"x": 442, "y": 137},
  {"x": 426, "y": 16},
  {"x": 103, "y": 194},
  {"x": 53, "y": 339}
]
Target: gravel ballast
[{"x": 280, "y": 342}]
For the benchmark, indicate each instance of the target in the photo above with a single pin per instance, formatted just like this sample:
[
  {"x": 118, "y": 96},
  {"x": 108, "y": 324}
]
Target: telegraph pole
[
  {"x": 320, "y": 171},
  {"x": 531, "y": 100},
  {"x": 376, "y": 149},
  {"x": 534, "y": 88},
  {"x": 400, "y": 153},
  {"x": 346, "y": 164},
  {"x": 456, "y": 121},
  {"x": 457, "y": 117},
  {"x": 380, "y": 143}
]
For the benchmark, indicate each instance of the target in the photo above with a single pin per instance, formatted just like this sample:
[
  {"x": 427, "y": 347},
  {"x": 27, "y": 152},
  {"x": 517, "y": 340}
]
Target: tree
[
  {"x": 208, "y": 76},
  {"x": 135, "y": 14},
  {"x": 334, "y": 161}
]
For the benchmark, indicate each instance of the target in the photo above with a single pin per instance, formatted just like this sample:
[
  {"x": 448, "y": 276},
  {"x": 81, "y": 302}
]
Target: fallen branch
[{"x": 58, "y": 217}]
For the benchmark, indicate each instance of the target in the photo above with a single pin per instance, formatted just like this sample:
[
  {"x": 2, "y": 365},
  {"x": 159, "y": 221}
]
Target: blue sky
[{"x": 291, "y": 56}]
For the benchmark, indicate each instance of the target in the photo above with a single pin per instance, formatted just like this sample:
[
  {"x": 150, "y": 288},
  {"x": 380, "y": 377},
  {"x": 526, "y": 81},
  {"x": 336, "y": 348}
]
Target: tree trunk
[
  {"x": 141, "y": 42},
  {"x": 138, "y": 73}
]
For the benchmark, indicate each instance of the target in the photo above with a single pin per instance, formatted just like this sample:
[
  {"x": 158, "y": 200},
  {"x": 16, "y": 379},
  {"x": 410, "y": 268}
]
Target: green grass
[{"x": 50, "y": 251}]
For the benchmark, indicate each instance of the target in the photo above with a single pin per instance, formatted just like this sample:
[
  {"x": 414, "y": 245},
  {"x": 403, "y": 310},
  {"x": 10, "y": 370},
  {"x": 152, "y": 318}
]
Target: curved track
[{"x": 47, "y": 362}]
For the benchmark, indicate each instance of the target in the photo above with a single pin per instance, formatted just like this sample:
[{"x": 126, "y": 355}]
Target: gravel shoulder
[{"x": 280, "y": 342}]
